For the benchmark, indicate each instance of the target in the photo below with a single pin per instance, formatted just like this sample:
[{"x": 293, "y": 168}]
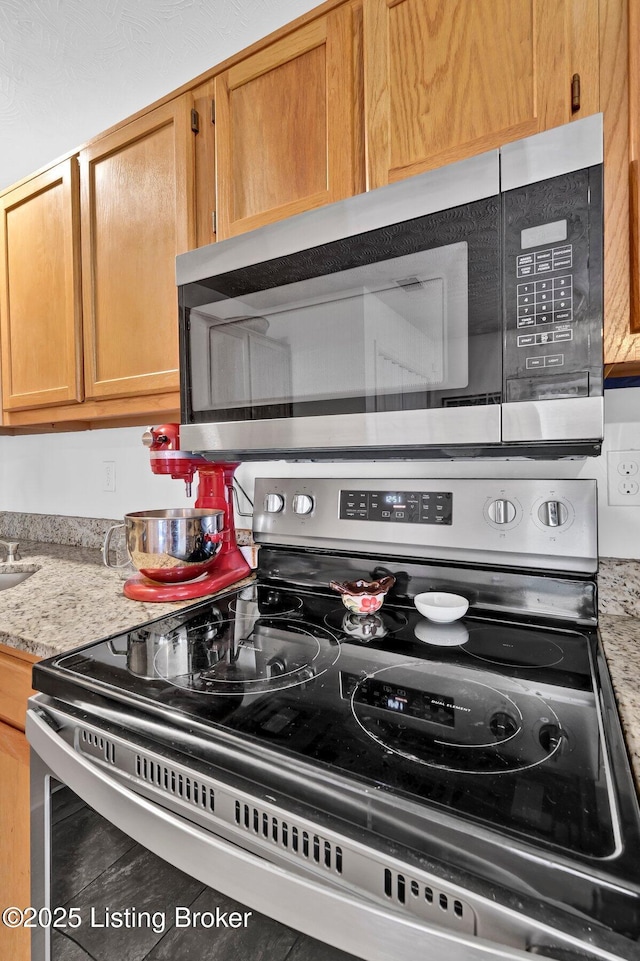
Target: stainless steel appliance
[
  {"x": 456, "y": 312},
  {"x": 379, "y": 785}
]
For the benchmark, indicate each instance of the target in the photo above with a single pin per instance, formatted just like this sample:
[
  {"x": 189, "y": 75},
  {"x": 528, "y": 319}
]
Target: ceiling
[{"x": 71, "y": 68}]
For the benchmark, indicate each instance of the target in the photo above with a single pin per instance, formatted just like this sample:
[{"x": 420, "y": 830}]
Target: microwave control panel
[{"x": 552, "y": 277}]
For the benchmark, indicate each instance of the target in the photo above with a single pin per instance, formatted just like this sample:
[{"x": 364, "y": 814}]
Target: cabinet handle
[
  {"x": 195, "y": 120},
  {"x": 575, "y": 93}
]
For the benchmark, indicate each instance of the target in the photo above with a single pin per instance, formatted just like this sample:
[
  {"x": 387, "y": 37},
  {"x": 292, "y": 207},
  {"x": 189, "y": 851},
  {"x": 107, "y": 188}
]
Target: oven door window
[{"x": 395, "y": 332}]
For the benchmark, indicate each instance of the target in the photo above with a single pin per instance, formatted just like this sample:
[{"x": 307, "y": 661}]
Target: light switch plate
[{"x": 108, "y": 475}]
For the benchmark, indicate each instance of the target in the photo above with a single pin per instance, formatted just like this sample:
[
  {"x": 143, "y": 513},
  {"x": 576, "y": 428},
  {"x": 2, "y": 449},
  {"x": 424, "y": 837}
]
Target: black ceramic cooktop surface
[{"x": 495, "y": 721}]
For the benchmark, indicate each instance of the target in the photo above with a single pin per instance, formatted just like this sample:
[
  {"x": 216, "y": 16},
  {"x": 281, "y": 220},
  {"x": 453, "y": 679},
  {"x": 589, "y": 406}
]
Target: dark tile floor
[{"x": 98, "y": 869}]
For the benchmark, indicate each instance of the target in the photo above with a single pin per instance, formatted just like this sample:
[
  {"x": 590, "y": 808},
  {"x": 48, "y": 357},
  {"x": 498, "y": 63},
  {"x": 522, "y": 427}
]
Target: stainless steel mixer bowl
[{"x": 176, "y": 544}]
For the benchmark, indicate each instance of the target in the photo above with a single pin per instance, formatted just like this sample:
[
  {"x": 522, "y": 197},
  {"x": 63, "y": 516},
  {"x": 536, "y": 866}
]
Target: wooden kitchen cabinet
[
  {"x": 445, "y": 79},
  {"x": 288, "y": 124},
  {"x": 40, "y": 309},
  {"x": 137, "y": 214},
  {"x": 15, "y": 687},
  {"x": 118, "y": 222},
  {"x": 618, "y": 86}
]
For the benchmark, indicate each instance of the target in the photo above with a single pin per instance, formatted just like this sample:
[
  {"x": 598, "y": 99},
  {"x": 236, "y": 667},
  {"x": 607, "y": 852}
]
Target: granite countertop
[
  {"x": 69, "y": 600},
  {"x": 621, "y": 641},
  {"x": 73, "y": 599}
]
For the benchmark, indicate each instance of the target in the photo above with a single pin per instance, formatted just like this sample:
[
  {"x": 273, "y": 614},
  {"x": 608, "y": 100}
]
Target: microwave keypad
[
  {"x": 408, "y": 507},
  {"x": 545, "y": 301},
  {"x": 547, "y": 337},
  {"x": 547, "y": 360},
  {"x": 545, "y": 261}
]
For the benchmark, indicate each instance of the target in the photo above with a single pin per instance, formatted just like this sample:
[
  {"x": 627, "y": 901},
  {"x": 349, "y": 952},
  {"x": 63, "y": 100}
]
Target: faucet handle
[{"x": 12, "y": 551}]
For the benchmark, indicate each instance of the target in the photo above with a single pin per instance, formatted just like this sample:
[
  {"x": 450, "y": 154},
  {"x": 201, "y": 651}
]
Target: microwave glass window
[{"x": 375, "y": 334}]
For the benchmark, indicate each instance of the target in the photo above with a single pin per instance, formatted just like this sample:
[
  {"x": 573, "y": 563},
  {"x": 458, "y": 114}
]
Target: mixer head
[{"x": 167, "y": 458}]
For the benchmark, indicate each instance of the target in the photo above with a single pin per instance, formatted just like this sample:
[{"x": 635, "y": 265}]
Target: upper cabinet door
[
  {"x": 288, "y": 130},
  {"x": 448, "y": 78},
  {"x": 40, "y": 302},
  {"x": 137, "y": 214}
]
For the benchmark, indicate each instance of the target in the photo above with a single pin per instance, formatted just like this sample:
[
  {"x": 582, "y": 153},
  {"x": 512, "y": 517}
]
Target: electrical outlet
[
  {"x": 108, "y": 475},
  {"x": 623, "y": 476}
]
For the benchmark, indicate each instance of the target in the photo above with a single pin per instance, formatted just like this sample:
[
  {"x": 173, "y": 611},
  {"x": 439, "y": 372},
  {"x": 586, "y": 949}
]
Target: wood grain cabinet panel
[
  {"x": 203, "y": 102},
  {"x": 15, "y": 944},
  {"x": 137, "y": 214},
  {"x": 40, "y": 291},
  {"x": 634, "y": 167},
  {"x": 287, "y": 135},
  {"x": 15, "y": 687},
  {"x": 445, "y": 79}
]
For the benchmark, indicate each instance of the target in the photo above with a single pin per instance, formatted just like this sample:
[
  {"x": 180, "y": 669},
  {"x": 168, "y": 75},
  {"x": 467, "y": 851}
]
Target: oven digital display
[
  {"x": 411, "y": 702},
  {"x": 405, "y": 507}
]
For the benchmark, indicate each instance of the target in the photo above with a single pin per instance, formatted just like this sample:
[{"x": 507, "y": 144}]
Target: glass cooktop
[{"x": 495, "y": 721}]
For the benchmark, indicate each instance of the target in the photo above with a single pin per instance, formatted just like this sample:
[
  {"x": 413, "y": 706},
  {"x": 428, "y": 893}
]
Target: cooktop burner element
[
  {"x": 246, "y": 656},
  {"x": 273, "y": 602},
  {"x": 440, "y": 718},
  {"x": 509, "y": 651}
]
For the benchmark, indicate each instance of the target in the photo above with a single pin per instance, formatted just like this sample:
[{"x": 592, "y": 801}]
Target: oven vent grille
[
  {"x": 293, "y": 838},
  {"x": 98, "y": 746},
  {"x": 173, "y": 782},
  {"x": 429, "y": 902}
]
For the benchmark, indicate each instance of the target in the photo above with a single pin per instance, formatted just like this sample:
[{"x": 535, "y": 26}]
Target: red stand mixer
[{"x": 215, "y": 493}]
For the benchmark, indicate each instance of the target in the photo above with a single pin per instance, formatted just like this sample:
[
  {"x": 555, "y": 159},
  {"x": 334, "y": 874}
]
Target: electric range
[{"x": 460, "y": 786}]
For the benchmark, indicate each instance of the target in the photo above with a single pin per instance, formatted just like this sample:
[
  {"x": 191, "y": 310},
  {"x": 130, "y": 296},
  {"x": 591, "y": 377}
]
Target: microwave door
[
  {"x": 395, "y": 355},
  {"x": 372, "y": 357}
]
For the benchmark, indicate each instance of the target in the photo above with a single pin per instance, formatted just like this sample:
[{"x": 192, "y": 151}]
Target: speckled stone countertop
[
  {"x": 621, "y": 641},
  {"x": 69, "y": 600}
]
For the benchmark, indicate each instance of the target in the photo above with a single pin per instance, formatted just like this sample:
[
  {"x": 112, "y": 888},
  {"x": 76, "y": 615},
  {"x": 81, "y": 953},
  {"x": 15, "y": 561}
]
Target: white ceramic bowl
[{"x": 441, "y": 607}]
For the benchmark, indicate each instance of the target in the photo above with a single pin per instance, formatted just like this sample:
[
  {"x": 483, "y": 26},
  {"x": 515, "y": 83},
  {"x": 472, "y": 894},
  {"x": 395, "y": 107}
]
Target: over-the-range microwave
[{"x": 458, "y": 312}]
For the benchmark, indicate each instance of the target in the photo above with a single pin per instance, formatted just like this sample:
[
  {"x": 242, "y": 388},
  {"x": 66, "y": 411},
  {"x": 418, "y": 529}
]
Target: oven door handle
[{"x": 351, "y": 924}]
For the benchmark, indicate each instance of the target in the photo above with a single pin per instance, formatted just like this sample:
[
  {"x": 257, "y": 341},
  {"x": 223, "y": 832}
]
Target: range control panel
[
  {"x": 406, "y": 507},
  {"x": 510, "y": 521}
]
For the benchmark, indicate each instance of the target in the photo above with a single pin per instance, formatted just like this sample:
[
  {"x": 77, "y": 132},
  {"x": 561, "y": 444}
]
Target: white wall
[
  {"x": 72, "y": 68},
  {"x": 63, "y": 473}
]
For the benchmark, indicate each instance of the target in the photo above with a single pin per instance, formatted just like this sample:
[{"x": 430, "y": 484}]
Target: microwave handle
[{"x": 363, "y": 929}]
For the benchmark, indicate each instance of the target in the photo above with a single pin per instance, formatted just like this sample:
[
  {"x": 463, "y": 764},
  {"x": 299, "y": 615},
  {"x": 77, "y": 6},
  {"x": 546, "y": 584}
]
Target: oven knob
[
  {"x": 502, "y": 725},
  {"x": 273, "y": 503},
  {"x": 551, "y": 738},
  {"x": 553, "y": 513},
  {"x": 501, "y": 511},
  {"x": 302, "y": 504}
]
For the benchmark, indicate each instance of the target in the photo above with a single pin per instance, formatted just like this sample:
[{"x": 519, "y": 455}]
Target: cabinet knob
[
  {"x": 302, "y": 504},
  {"x": 501, "y": 511},
  {"x": 273, "y": 503}
]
